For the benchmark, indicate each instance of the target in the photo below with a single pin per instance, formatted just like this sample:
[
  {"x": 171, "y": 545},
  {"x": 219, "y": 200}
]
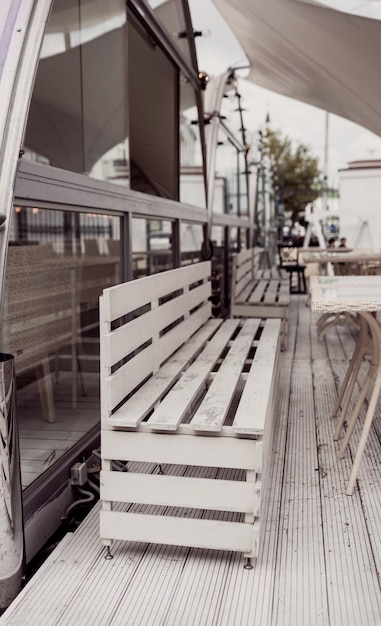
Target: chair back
[{"x": 288, "y": 256}]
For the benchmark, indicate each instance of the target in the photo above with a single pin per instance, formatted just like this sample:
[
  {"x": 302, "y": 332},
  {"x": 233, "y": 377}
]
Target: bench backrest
[
  {"x": 245, "y": 267},
  {"x": 144, "y": 321}
]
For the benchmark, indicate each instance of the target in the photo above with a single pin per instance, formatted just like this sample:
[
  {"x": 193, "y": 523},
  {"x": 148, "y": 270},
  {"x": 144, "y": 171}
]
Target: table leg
[
  {"x": 364, "y": 435},
  {"x": 356, "y": 412},
  {"x": 347, "y": 387},
  {"x": 376, "y": 369}
]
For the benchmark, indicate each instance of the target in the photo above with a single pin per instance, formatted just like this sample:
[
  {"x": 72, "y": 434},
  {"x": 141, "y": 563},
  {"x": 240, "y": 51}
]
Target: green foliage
[{"x": 296, "y": 173}]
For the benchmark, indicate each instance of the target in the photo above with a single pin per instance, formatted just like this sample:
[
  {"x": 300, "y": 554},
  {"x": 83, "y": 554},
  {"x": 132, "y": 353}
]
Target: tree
[{"x": 296, "y": 173}]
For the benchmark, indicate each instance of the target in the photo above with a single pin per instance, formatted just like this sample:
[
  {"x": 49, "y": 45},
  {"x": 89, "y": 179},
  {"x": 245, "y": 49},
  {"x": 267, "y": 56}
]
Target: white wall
[{"x": 360, "y": 207}]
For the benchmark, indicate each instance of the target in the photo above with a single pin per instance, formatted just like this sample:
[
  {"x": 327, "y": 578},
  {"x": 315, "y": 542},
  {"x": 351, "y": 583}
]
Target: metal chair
[{"x": 289, "y": 261}]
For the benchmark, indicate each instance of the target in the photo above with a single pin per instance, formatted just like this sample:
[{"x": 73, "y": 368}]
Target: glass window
[
  {"x": 154, "y": 109},
  {"x": 231, "y": 177},
  {"x": 151, "y": 246},
  {"x": 192, "y": 186},
  {"x": 51, "y": 325},
  {"x": 171, "y": 15},
  {"x": 78, "y": 114},
  {"x": 227, "y": 169},
  {"x": 191, "y": 238}
]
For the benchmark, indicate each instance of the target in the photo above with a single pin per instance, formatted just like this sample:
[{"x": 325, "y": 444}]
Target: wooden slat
[
  {"x": 124, "y": 380},
  {"x": 176, "y": 531},
  {"x": 243, "y": 294},
  {"x": 136, "y": 332},
  {"x": 284, "y": 292},
  {"x": 230, "y": 452},
  {"x": 132, "y": 412},
  {"x": 271, "y": 295},
  {"x": 180, "y": 491},
  {"x": 124, "y": 299},
  {"x": 213, "y": 409},
  {"x": 172, "y": 409},
  {"x": 252, "y": 410}
]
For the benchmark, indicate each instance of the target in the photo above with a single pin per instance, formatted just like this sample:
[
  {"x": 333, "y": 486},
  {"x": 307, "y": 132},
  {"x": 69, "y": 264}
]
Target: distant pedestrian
[
  {"x": 332, "y": 242},
  {"x": 343, "y": 242}
]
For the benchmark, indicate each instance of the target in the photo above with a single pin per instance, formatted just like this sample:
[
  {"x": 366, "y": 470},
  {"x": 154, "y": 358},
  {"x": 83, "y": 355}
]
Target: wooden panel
[
  {"x": 244, "y": 272},
  {"x": 176, "y": 531},
  {"x": 252, "y": 409},
  {"x": 125, "y": 298},
  {"x": 136, "y": 332},
  {"x": 243, "y": 293},
  {"x": 271, "y": 295},
  {"x": 173, "y": 407},
  {"x": 213, "y": 409},
  {"x": 181, "y": 491},
  {"x": 125, "y": 379},
  {"x": 284, "y": 292},
  {"x": 180, "y": 449},
  {"x": 257, "y": 292},
  {"x": 140, "y": 404}
]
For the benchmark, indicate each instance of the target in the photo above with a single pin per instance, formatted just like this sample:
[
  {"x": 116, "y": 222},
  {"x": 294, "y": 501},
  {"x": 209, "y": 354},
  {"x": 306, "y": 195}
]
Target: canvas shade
[{"x": 311, "y": 53}]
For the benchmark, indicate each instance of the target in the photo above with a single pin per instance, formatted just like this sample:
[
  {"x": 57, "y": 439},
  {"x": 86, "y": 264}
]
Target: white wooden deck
[{"x": 319, "y": 563}]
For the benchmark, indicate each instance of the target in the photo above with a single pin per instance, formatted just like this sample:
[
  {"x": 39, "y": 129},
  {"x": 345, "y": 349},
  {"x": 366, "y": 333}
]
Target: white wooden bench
[
  {"x": 193, "y": 397},
  {"x": 259, "y": 292}
]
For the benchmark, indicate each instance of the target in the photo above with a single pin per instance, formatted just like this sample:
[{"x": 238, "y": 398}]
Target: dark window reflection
[
  {"x": 78, "y": 113},
  {"x": 58, "y": 264}
]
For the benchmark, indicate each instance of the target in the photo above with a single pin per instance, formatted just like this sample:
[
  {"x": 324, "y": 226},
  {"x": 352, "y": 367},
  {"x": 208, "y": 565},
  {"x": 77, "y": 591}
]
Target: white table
[
  {"x": 344, "y": 262},
  {"x": 360, "y": 295}
]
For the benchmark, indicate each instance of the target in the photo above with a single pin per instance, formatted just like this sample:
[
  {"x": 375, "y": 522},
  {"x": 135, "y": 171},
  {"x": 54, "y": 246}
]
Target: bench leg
[
  {"x": 284, "y": 333},
  {"x": 108, "y": 544},
  {"x": 252, "y": 477}
]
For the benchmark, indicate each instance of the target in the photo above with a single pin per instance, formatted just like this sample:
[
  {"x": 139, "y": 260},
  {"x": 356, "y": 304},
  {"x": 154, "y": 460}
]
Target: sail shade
[{"x": 312, "y": 53}]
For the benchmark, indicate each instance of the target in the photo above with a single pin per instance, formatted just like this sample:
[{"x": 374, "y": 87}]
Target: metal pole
[
  {"x": 11, "y": 517},
  {"x": 325, "y": 170}
]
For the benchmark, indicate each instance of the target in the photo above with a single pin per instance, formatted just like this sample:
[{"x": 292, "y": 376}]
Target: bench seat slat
[
  {"x": 251, "y": 413},
  {"x": 265, "y": 274},
  {"x": 284, "y": 293},
  {"x": 212, "y": 412},
  {"x": 258, "y": 292},
  {"x": 271, "y": 293},
  {"x": 141, "y": 403},
  {"x": 244, "y": 294},
  {"x": 172, "y": 409}
]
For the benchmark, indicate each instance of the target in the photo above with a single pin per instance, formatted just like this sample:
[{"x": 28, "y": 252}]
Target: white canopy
[{"x": 312, "y": 53}]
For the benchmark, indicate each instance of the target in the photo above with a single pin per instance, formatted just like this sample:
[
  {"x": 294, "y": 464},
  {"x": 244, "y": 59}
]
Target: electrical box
[{"x": 78, "y": 474}]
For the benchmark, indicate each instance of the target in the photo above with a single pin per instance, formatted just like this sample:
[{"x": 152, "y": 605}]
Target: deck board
[{"x": 319, "y": 562}]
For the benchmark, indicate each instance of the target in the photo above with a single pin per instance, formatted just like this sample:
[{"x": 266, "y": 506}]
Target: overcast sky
[{"x": 346, "y": 141}]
